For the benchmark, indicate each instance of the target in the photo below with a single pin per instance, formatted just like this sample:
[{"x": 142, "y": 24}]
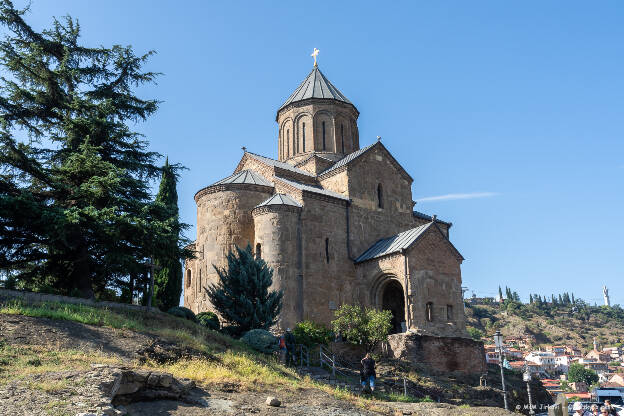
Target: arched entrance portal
[{"x": 392, "y": 300}]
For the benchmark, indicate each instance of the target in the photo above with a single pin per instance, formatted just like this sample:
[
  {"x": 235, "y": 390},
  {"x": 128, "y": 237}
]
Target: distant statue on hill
[{"x": 605, "y": 293}]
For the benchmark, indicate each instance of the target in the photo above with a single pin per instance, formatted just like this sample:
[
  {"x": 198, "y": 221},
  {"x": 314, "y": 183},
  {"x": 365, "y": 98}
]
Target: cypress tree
[
  {"x": 573, "y": 301},
  {"x": 76, "y": 215},
  {"x": 500, "y": 293},
  {"x": 168, "y": 279},
  {"x": 530, "y": 298},
  {"x": 242, "y": 295}
]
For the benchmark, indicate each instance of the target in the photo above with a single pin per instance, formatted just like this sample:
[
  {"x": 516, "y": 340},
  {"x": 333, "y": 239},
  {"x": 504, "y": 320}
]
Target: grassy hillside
[
  {"x": 48, "y": 352},
  {"x": 574, "y": 324}
]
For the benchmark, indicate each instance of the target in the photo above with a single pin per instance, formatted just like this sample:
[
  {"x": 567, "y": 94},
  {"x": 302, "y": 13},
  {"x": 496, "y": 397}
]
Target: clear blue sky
[{"x": 518, "y": 105}]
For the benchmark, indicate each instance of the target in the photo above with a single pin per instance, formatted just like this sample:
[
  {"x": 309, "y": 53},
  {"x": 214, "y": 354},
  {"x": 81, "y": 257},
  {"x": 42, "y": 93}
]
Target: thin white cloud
[{"x": 452, "y": 197}]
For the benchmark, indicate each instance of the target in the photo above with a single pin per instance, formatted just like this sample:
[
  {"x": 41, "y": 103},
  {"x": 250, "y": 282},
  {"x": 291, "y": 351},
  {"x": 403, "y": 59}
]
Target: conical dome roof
[{"x": 316, "y": 85}]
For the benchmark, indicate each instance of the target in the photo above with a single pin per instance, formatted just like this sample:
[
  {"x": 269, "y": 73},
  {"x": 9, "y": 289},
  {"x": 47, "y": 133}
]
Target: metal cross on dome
[{"x": 314, "y": 54}]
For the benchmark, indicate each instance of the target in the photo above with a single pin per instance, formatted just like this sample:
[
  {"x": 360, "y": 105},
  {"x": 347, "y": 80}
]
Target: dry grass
[
  {"x": 28, "y": 360},
  {"x": 236, "y": 368}
]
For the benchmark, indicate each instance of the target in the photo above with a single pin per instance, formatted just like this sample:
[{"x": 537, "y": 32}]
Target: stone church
[{"x": 334, "y": 220}]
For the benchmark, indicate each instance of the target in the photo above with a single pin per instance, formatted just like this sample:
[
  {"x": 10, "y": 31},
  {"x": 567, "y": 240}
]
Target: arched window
[
  {"x": 380, "y": 196},
  {"x": 429, "y": 312},
  {"x": 342, "y": 137},
  {"x": 258, "y": 251},
  {"x": 199, "y": 287},
  {"x": 323, "y": 124},
  {"x": 449, "y": 312},
  {"x": 287, "y": 143},
  {"x": 303, "y": 134},
  {"x": 188, "y": 277},
  {"x": 327, "y": 250}
]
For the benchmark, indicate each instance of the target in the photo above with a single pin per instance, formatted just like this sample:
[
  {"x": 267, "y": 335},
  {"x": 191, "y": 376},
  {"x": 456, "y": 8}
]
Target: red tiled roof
[
  {"x": 579, "y": 395},
  {"x": 611, "y": 384}
]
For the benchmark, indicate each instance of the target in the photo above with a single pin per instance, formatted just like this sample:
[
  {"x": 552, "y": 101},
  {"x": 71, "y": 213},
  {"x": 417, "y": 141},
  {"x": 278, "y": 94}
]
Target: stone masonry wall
[
  {"x": 277, "y": 231},
  {"x": 369, "y": 222},
  {"x": 435, "y": 276},
  {"x": 328, "y": 276},
  {"x": 439, "y": 354},
  {"x": 223, "y": 219}
]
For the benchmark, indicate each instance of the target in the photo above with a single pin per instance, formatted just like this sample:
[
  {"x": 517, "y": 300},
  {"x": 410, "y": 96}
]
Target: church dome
[
  {"x": 316, "y": 85},
  {"x": 316, "y": 119}
]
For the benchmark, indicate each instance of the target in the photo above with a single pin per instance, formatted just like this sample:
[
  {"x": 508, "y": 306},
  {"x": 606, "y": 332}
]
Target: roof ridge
[
  {"x": 312, "y": 188},
  {"x": 282, "y": 165},
  {"x": 400, "y": 241},
  {"x": 348, "y": 158}
]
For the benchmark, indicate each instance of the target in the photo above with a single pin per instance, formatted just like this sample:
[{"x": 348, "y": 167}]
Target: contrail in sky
[{"x": 452, "y": 197}]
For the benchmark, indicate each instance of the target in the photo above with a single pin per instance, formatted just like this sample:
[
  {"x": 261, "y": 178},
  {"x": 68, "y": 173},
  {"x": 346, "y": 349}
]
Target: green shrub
[
  {"x": 182, "y": 312},
  {"x": 475, "y": 333},
  {"x": 261, "y": 340},
  {"x": 209, "y": 319},
  {"x": 310, "y": 333}
]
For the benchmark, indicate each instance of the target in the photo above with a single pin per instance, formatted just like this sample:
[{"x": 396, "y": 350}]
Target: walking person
[
  {"x": 290, "y": 347},
  {"x": 282, "y": 349},
  {"x": 367, "y": 373}
]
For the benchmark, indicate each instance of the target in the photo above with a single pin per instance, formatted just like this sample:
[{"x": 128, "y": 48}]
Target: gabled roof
[
  {"x": 313, "y": 189},
  {"x": 424, "y": 216},
  {"x": 277, "y": 163},
  {"x": 279, "y": 199},
  {"x": 316, "y": 85},
  {"x": 245, "y": 176},
  {"x": 394, "y": 244},
  {"x": 312, "y": 156},
  {"x": 356, "y": 155},
  {"x": 348, "y": 158},
  {"x": 399, "y": 242}
]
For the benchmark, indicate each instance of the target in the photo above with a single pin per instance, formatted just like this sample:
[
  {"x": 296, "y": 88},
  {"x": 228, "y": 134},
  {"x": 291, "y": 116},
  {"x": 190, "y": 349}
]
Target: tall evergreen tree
[
  {"x": 242, "y": 295},
  {"x": 75, "y": 209},
  {"x": 500, "y": 293},
  {"x": 530, "y": 298},
  {"x": 168, "y": 279},
  {"x": 573, "y": 301}
]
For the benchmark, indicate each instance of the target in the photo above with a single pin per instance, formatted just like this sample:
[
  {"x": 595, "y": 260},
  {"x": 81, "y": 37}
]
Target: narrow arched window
[
  {"x": 380, "y": 196},
  {"x": 287, "y": 142},
  {"x": 303, "y": 134},
  {"x": 327, "y": 250},
  {"x": 342, "y": 137},
  {"x": 429, "y": 312},
  {"x": 199, "y": 287},
  {"x": 258, "y": 251},
  {"x": 188, "y": 278},
  {"x": 323, "y": 124},
  {"x": 449, "y": 312}
]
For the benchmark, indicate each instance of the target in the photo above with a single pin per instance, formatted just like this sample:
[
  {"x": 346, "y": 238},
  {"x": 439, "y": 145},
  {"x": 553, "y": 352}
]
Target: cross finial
[
  {"x": 244, "y": 149},
  {"x": 378, "y": 138},
  {"x": 314, "y": 54}
]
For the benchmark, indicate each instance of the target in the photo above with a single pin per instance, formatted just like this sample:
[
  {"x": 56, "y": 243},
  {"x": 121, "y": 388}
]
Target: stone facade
[{"x": 344, "y": 201}]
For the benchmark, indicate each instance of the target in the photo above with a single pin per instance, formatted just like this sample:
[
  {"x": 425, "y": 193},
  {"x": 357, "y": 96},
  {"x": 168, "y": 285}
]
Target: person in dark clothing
[
  {"x": 367, "y": 373},
  {"x": 609, "y": 407},
  {"x": 290, "y": 347}
]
